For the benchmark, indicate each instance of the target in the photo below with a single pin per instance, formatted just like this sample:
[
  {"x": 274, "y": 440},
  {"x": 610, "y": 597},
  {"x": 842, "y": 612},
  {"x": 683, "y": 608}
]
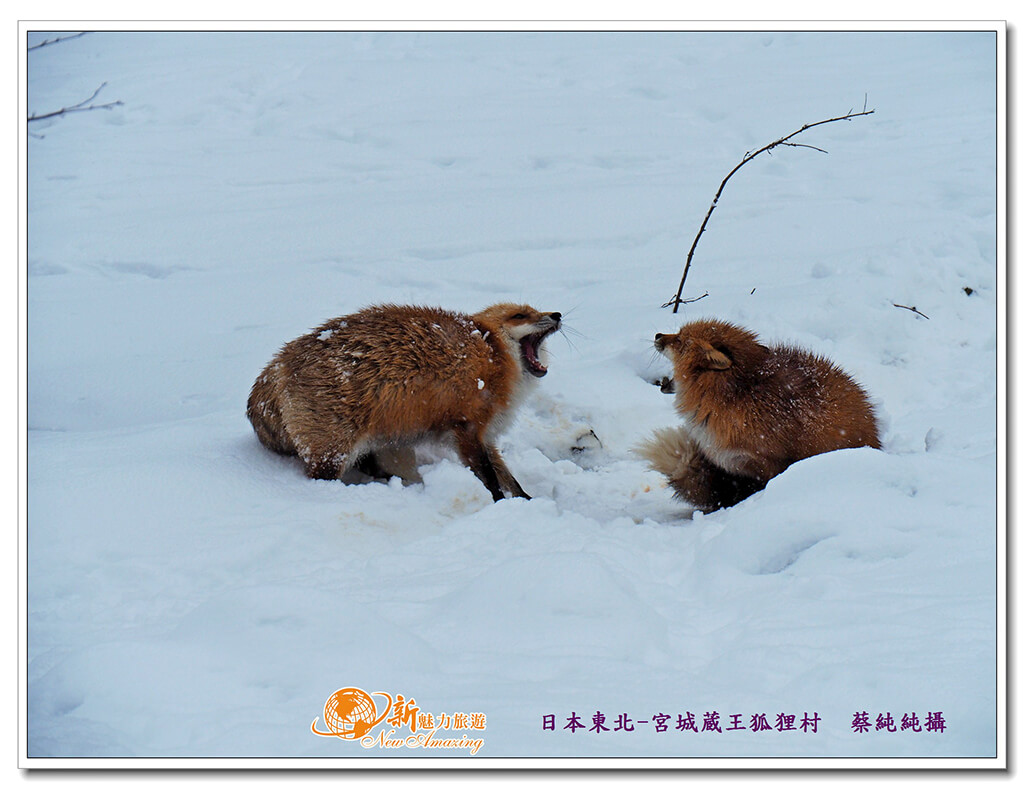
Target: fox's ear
[{"x": 715, "y": 359}]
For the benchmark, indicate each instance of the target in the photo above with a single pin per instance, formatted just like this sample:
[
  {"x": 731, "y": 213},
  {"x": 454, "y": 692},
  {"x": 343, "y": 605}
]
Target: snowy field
[{"x": 192, "y": 595}]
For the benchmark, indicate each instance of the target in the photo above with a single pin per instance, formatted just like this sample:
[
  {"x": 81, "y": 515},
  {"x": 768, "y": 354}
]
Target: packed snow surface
[{"x": 192, "y": 594}]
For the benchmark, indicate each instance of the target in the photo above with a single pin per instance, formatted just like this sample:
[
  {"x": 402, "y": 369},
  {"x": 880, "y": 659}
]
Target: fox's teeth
[{"x": 530, "y": 348}]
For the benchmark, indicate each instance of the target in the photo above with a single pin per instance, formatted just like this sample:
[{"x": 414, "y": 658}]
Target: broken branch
[{"x": 912, "y": 309}]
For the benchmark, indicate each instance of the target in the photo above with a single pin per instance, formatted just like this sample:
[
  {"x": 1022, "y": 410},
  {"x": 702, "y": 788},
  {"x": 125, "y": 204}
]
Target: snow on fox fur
[
  {"x": 360, "y": 391},
  {"x": 750, "y": 411}
]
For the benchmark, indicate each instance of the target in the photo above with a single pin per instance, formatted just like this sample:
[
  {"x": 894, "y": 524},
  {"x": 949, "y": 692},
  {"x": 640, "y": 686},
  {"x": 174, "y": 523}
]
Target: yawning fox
[{"x": 365, "y": 387}]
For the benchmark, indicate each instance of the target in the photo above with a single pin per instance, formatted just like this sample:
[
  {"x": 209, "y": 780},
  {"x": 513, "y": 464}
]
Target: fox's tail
[
  {"x": 669, "y": 451},
  {"x": 694, "y": 478}
]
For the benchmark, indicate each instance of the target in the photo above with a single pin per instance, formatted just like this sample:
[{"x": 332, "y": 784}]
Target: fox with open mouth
[{"x": 360, "y": 391}]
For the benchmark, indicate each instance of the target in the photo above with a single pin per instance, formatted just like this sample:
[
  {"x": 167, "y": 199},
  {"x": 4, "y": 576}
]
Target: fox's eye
[{"x": 519, "y": 316}]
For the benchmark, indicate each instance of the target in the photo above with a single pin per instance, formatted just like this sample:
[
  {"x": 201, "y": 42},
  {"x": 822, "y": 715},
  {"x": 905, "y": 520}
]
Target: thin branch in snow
[
  {"x": 686, "y": 301},
  {"x": 50, "y": 41},
  {"x": 802, "y": 145},
  {"x": 80, "y": 107},
  {"x": 912, "y": 309},
  {"x": 782, "y": 141}
]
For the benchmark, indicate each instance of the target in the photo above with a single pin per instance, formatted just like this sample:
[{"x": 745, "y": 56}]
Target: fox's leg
[
  {"x": 324, "y": 466},
  {"x": 399, "y": 461},
  {"x": 475, "y": 455},
  {"x": 369, "y": 464},
  {"x": 507, "y": 482},
  {"x": 327, "y": 459},
  {"x": 387, "y": 462}
]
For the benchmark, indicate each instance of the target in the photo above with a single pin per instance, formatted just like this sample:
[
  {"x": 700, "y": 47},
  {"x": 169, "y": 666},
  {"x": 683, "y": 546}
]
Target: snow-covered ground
[{"x": 192, "y": 595}]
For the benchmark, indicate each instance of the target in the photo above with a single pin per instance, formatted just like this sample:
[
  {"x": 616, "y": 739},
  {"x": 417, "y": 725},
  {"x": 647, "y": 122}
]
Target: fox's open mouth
[{"x": 530, "y": 346}]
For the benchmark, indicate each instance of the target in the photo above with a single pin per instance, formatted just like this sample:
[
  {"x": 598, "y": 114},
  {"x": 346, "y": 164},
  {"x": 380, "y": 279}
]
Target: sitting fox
[{"x": 750, "y": 411}]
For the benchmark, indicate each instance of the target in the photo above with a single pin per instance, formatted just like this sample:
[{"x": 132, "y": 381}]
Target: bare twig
[
  {"x": 57, "y": 40},
  {"x": 802, "y": 145},
  {"x": 912, "y": 309},
  {"x": 80, "y": 107},
  {"x": 782, "y": 141},
  {"x": 686, "y": 301}
]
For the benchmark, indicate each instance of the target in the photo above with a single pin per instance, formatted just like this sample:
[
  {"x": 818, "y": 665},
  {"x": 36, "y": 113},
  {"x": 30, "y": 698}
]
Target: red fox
[
  {"x": 751, "y": 411},
  {"x": 365, "y": 386}
]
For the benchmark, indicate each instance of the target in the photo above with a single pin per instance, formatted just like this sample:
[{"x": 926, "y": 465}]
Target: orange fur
[
  {"x": 390, "y": 376},
  {"x": 751, "y": 411}
]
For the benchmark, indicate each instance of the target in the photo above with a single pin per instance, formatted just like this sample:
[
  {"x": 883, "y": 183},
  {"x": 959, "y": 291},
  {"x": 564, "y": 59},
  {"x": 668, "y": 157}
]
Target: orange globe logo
[{"x": 350, "y": 713}]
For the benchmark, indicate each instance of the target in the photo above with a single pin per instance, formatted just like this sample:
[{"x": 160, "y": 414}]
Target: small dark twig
[
  {"x": 80, "y": 107},
  {"x": 912, "y": 309},
  {"x": 684, "y": 301},
  {"x": 50, "y": 41},
  {"x": 783, "y": 141},
  {"x": 803, "y": 145}
]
